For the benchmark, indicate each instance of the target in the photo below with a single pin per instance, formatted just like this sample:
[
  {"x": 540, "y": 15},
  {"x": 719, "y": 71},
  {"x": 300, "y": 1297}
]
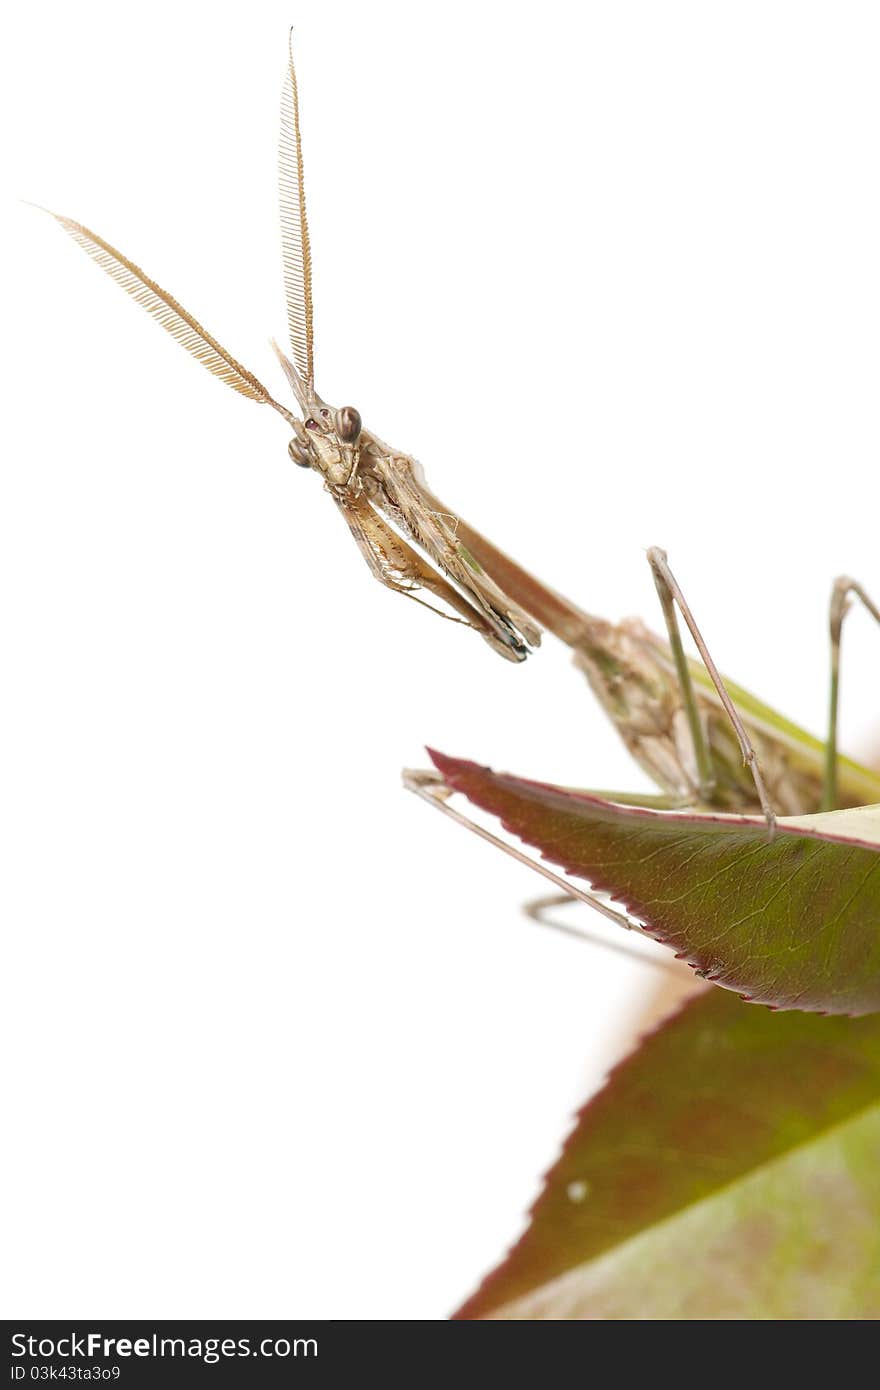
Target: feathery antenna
[
  {"x": 165, "y": 309},
  {"x": 295, "y": 248}
]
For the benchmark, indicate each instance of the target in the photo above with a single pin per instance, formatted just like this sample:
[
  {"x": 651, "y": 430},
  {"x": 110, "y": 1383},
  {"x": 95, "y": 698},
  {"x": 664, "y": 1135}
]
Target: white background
[{"x": 277, "y": 1040}]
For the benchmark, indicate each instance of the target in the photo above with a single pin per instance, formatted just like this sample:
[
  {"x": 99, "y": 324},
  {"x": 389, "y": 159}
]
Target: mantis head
[{"x": 326, "y": 439}]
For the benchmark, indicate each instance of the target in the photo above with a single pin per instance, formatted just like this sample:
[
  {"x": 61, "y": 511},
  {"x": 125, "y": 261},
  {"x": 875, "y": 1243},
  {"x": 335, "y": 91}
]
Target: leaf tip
[{"x": 451, "y": 768}]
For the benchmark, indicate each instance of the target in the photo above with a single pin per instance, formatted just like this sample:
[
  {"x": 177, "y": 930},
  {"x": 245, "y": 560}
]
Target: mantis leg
[
  {"x": 538, "y": 908},
  {"x": 671, "y": 596},
  {"x": 431, "y": 788},
  {"x": 844, "y": 587}
]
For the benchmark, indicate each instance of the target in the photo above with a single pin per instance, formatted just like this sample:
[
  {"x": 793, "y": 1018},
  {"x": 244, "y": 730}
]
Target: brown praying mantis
[
  {"x": 704, "y": 742},
  {"x": 380, "y": 491}
]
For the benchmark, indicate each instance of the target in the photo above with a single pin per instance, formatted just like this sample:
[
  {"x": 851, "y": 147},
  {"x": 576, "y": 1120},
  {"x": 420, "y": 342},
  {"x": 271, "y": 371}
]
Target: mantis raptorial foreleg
[
  {"x": 671, "y": 597},
  {"x": 843, "y": 589}
]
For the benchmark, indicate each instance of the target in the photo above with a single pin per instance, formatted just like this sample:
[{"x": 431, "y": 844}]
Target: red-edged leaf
[
  {"x": 730, "y": 1169},
  {"x": 793, "y": 922}
]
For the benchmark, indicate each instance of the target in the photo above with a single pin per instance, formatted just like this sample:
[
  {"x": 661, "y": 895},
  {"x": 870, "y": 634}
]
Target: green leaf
[
  {"x": 793, "y": 922},
  {"x": 730, "y": 1169}
]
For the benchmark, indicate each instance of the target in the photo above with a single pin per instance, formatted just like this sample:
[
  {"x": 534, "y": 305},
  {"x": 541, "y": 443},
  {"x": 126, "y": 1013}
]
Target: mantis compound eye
[
  {"x": 348, "y": 424},
  {"x": 299, "y": 453}
]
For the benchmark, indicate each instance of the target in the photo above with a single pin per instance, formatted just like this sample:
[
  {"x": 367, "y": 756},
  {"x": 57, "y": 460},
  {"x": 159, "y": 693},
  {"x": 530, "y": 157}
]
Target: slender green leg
[
  {"x": 652, "y": 801},
  {"x": 702, "y": 754},
  {"x": 671, "y": 597},
  {"x": 844, "y": 587}
]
